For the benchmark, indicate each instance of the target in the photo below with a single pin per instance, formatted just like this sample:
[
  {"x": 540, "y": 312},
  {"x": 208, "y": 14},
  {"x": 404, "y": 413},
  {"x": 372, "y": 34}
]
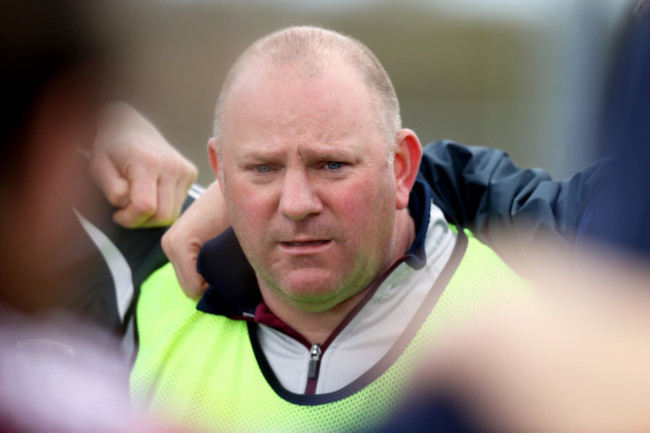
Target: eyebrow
[{"x": 256, "y": 153}]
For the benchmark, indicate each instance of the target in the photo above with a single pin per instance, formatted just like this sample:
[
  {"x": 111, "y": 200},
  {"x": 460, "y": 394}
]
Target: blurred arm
[{"x": 138, "y": 171}]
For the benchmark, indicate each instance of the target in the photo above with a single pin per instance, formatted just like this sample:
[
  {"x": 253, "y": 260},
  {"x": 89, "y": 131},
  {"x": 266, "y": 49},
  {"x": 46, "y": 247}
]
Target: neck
[{"x": 316, "y": 327}]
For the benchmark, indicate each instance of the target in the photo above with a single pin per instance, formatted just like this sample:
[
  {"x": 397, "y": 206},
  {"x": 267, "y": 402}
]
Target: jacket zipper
[
  {"x": 316, "y": 350},
  {"x": 315, "y": 353}
]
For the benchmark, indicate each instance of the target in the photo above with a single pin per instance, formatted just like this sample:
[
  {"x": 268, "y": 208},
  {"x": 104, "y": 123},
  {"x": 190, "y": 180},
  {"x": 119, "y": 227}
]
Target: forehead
[{"x": 293, "y": 101}]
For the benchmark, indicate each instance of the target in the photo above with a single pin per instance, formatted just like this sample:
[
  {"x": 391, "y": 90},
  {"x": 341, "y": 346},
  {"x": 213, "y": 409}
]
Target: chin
[
  {"x": 312, "y": 295},
  {"x": 316, "y": 303},
  {"x": 309, "y": 282},
  {"x": 307, "y": 292}
]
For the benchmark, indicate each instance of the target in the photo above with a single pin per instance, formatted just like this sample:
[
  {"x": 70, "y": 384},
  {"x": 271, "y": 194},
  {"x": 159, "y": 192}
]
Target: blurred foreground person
[
  {"x": 66, "y": 279},
  {"x": 63, "y": 146},
  {"x": 573, "y": 360},
  {"x": 577, "y": 359}
]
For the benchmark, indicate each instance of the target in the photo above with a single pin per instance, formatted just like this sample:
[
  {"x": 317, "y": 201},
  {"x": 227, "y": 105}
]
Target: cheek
[
  {"x": 249, "y": 208},
  {"x": 363, "y": 205},
  {"x": 375, "y": 192},
  {"x": 348, "y": 203}
]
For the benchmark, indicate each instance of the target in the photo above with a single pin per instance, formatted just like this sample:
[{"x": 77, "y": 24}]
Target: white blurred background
[{"x": 521, "y": 75}]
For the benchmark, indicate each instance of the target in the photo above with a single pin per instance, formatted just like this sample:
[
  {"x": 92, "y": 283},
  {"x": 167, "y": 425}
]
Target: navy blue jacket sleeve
[{"x": 482, "y": 189}]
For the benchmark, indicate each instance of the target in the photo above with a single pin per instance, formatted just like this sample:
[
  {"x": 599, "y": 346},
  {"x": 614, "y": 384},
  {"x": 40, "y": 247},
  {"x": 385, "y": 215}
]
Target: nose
[{"x": 299, "y": 198}]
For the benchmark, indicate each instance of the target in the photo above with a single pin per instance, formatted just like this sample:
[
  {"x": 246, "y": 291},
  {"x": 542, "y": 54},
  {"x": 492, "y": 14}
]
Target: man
[{"x": 356, "y": 272}]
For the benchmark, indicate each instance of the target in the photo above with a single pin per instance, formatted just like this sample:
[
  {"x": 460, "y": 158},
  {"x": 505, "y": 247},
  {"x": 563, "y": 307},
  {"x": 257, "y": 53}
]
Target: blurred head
[
  {"x": 52, "y": 72},
  {"x": 315, "y": 189},
  {"x": 46, "y": 45},
  {"x": 642, "y": 7}
]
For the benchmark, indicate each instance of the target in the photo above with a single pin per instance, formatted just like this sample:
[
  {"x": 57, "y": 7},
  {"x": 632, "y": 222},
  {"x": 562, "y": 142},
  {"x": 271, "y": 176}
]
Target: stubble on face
[{"x": 288, "y": 119}]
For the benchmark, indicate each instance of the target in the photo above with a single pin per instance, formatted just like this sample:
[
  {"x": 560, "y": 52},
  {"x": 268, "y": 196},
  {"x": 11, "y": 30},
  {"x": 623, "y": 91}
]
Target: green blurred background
[{"x": 521, "y": 75}]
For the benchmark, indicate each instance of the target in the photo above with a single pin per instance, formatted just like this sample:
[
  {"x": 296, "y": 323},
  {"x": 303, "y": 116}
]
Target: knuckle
[
  {"x": 167, "y": 243},
  {"x": 144, "y": 206},
  {"x": 124, "y": 220},
  {"x": 181, "y": 167},
  {"x": 190, "y": 168},
  {"x": 114, "y": 196},
  {"x": 149, "y": 158},
  {"x": 193, "y": 175}
]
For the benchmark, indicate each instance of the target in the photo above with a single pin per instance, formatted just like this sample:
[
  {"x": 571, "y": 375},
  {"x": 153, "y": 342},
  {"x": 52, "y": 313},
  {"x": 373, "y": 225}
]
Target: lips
[
  {"x": 305, "y": 243},
  {"x": 305, "y": 247}
]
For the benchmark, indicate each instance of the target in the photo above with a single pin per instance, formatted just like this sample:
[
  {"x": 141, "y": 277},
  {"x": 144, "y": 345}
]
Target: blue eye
[
  {"x": 334, "y": 165},
  {"x": 262, "y": 168}
]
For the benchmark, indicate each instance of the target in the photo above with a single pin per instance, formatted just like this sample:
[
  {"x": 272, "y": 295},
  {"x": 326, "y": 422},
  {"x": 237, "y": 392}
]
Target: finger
[
  {"x": 183, "y": 255},
  {"x": 193, "y": 283},
  {"x": 173, "y": 184},
  {"x": 179, "y": 197},
  {"x": 187, "y": 174},
  {"x": 143, "y": 195},
  {"x": 165, "y": 203},
  {"x": 109, "y": 180},
  {"x": 182, "y": 187}
]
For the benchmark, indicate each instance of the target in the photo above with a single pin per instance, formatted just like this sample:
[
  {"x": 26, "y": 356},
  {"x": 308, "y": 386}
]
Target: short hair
[{"x": 313, "y": 49}]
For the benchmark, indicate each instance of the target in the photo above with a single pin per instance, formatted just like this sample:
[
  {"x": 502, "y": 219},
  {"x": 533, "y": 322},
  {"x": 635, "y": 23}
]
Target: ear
[
  {"x": 405, "y": 167},
  {"x": 214, "y": 156}
]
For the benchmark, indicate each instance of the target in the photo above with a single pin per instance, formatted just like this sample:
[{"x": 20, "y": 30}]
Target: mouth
[
  {"x": 305, "y": 243},
  {"x": 305, "y": 247}
]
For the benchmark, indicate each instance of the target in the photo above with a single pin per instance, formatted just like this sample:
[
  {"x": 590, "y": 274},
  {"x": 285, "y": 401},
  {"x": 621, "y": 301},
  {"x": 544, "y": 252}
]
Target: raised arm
[
  {"x": 482, "y": 189},
  {"x": 145, "y": 182},
  {"x": 138, "y": 171}
]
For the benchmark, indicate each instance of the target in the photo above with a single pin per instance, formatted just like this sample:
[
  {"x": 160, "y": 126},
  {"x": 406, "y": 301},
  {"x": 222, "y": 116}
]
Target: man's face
[{"x": 307, "y": 184}]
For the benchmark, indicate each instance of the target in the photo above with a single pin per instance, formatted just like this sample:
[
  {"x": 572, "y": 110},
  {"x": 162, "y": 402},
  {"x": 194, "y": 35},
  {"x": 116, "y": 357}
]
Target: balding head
[
  {"x": 314, "y": 169},
  {"x": 310, "y": 51}
]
